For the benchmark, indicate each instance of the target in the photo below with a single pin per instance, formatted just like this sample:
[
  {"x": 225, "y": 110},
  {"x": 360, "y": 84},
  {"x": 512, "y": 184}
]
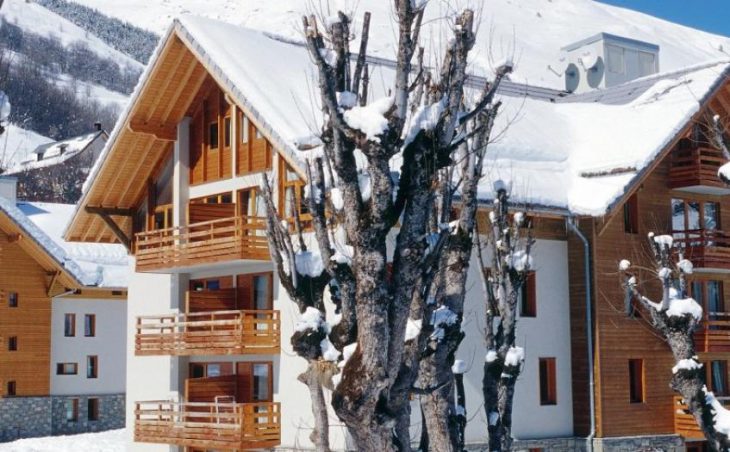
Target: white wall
[
  {"x": 149, "y": 377},
  {"x": 547, "y": 335},
  {"x": 109, "y": 345}
]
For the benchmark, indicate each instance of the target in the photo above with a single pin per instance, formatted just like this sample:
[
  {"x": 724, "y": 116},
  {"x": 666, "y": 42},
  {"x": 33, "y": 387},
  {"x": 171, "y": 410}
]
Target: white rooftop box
[{"x": 606, "y": 60}]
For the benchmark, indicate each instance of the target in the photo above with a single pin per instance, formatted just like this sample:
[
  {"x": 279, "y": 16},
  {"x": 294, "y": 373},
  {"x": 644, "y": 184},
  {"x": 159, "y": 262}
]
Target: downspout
[{"x": 570, "y": 222}]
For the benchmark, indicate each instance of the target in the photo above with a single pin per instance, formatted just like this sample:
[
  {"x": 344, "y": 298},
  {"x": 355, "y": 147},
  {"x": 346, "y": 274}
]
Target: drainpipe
[{"x": 570, "y": 222}]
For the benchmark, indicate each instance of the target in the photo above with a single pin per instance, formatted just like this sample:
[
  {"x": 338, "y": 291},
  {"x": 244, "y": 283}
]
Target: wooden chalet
[{"x": 177, "y": 185}]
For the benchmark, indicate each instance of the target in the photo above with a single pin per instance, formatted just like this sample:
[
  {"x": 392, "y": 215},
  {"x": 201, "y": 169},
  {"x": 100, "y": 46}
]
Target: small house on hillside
[{"x": 54, "y": 172}]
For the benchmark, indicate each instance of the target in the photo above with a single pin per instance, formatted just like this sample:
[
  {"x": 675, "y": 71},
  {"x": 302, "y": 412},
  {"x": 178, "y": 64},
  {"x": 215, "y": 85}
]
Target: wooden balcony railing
[
  {"x": 705, "y": 248},
  {"x": 227, "y": 426},
  {"x": 685, "y": 424},
  {"x": 696, "y": 166},
  {"x": 714, "y": 333},
  {"x": 209, "y": 333},
  {"x": 200, "y": 243}
]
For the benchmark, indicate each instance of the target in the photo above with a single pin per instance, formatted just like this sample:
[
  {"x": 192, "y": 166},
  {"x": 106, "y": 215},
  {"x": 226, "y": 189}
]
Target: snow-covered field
[{"x": 111, "y": 441}]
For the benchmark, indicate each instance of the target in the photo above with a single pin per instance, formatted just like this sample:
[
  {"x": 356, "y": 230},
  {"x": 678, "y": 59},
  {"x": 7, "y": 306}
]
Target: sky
[{"x": 708, "y": 15}]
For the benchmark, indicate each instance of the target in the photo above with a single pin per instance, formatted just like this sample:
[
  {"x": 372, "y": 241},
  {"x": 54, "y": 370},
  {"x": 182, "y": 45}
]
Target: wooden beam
[
  {"x": 118, "y": 211},
  {"x": 53, "y": 281},
  {"x": 161, "y": 131},
  {"x": 104, "y": 215}
]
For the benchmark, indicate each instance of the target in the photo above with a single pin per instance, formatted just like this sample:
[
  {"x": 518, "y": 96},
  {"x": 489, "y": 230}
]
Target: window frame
[
  {"x": 61, "y": 368},
  {"x": 637, "y": 381},
  {"x": 69, "y": 325},
  {"x": 547, "y": 380},
  {"x": 89, "y": 325},
  {"x": 74, "y": 410},
  {"x": 631, "y": 214},
  {"x": 13, "y": 299},
  {"x": 92, "y": 409},
  {"x": 528, "y": 296},
  {"x": 92, "y": 366}
]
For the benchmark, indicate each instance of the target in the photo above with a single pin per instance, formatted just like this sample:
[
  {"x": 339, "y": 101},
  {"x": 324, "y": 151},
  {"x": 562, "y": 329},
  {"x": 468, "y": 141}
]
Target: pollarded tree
[
  {"x": 504, "y": 274},
  {"x": 397, "y": 307},
  {"x": 676, "y": 316}
]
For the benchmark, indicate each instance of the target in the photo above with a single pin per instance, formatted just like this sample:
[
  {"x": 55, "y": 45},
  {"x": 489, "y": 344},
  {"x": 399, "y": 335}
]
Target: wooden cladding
[
  {"x": 202, "y": 243},
  {"x": 708, "y": 249},
  {"x": 684, "y": 423},
  {"x": 224, "y": 426},
  {"x": 248, "y": 381},
  {"x": 209, "y": 333},
  {"x": 213, "y": 144}
]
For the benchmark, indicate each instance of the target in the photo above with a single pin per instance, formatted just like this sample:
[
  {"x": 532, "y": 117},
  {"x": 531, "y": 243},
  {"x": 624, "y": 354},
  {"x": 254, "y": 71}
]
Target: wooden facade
[{"x": 622, "y": 333}]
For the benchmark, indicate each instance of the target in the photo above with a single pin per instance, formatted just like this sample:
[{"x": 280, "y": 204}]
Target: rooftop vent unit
[{"x": 606, "y": 60}]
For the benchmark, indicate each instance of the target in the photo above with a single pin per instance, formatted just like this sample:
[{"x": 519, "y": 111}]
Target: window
[
  {"x": 69, "y": 325},
  {"x": 67, "y": 368},
  {"x": 13, "y": 299},
  {"x": 636, "y": 380},
  {"x": 72, "y": 410},
  {"x": 616, "y": 64},
  {"x": 717, "y": 378},
  {"x": 89, "y": 325},
  {"x": 631, "y": 215},
  {"x": 92, "y": 409},
  {"x": 11, "y": 389},
  {"x": 292, "y": 194},
  {"x": 691, "y": 216},
  {"x": 647, "y": 63},
  {"x": 213, "y": 135},
  {"x": 227, "y": 136},
  {"x": 710, "y": 295},
  {"x": 261, "y": 379},
  {"x": 548, "y": 389},
  {"x": 244, "y": 130},
  {"x": 92, "y": 366},
  {"x": 13, "y": 343},
  {"x": 528, "y": 296}
]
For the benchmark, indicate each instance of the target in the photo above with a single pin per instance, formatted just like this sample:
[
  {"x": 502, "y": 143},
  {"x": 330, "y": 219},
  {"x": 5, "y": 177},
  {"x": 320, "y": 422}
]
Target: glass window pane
[
  {"x": 697, "y": 293},
  {"x": 261, "y": 381},
  {"x": 714, "y": 297},
  {"x": 711, "y": 211},
  {"x": 615, "y": 59},
  {"x": 214, "y": 370},
  {"x": 678, "y": 215},
  {"x": 719, "y": 384},
  {"x": 647, "y": 63},
  {"x": 693, "y": 215},
  {"x": 261, "y": 292}
]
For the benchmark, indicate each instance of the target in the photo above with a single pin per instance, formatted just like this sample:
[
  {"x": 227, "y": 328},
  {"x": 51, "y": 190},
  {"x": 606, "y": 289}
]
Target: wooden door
[{"x": 255, "y": 291}]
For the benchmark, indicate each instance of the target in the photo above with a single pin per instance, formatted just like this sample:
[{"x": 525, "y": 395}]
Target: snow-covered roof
[
  {"x": 91, "y": 264},
  {"x": 576, "y": 154},
  {"x": 554, "y": 152},
  {"x": 50, "y": 154},
  {"x": 17, "y": 143}
]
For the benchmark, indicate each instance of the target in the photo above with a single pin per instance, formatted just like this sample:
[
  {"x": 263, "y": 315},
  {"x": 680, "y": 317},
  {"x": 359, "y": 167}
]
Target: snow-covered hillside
[
  {"x": 534, "y": 30},
  {"x": 36, "y": 19}
]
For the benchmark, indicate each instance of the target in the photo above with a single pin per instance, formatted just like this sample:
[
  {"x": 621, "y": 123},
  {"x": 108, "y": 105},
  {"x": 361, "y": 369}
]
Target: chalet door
[{"x": 254, "y": 382}]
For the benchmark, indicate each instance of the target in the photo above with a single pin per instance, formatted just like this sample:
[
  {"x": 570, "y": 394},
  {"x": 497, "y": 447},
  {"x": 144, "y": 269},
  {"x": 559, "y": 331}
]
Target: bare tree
[
  {"x": 399, "y": 312},
  {"x": 676, "y": 317},
  {"x": 504, "y": 272}
]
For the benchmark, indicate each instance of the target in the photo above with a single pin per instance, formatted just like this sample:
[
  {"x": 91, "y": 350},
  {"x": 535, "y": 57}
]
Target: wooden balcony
[
  {"x": 209, "y": 333},
  {"x": 206, "y": 242},
  {"x": 714, "y": 333},
  {"x": 707, "y": 249},
  {"x": 220, "y": 426},
  {"x": 685, "y": 424},
  {"x": 695, "y": 169}
]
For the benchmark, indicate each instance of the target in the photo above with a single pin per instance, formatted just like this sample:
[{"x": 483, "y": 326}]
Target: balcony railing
[
  {"x": 227, "y": 426},
  {"x": 201, "y": 243},
  {"x": 209, "y": 333},
  {"x": 714, "y": 333},
  {"x": 696, "y": 166},
  {"x": 685, "y": 424},
  {"x": 708, "y": 249}
]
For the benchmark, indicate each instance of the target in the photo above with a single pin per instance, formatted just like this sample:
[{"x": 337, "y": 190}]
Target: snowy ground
[{"x": 111, "y": 441}]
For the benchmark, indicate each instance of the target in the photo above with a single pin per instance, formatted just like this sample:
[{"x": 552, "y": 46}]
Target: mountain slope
[{"x": 532, "y": 30}]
